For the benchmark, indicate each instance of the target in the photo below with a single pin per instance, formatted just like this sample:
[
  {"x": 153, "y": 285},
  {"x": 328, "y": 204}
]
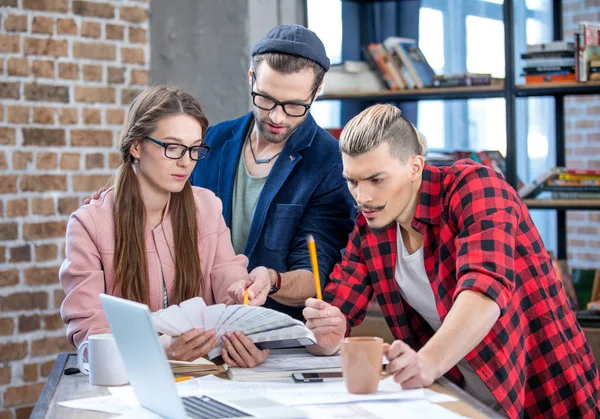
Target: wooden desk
[{"x": 61, "y": 387}]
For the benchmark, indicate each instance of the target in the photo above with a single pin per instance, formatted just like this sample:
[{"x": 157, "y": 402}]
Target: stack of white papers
[{"x": 265, "y": 327}]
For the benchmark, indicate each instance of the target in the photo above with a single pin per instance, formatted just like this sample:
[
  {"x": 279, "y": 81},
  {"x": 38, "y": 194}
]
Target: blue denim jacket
[{"x": 305, "y": 193}]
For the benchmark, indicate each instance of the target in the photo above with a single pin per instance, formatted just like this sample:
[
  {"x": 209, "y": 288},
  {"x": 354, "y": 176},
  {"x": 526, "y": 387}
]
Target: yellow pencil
[
  {"x": 312, "y": 250},
  {"x": 178, "y": 379},
  {"x": 246, "y": 297}
]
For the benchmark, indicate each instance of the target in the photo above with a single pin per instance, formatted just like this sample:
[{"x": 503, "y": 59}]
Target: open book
[{"x": 265, "y": 327}]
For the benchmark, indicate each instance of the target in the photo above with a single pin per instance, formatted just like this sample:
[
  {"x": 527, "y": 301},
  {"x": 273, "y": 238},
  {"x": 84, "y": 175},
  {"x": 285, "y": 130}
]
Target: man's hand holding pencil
[{"x": 327, "y": 323}]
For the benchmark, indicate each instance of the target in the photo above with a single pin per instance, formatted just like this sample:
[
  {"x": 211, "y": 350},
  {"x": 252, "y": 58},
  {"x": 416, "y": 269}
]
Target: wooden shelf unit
[
  {"x": 496, "y": 89},
  {"x": 563, "y": 204}
]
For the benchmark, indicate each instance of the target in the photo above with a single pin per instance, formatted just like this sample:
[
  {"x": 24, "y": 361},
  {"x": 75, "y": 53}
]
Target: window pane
[
  {"x": 485, "y": 46},
  {"x": 538, "y": 4},
  {"x": 536, "y": 32},
  {"x": 430, "y": 122},
  {"x": 325, "y": 19},
  {"x": 487, "y": 124},
  {"x": 327, "y": 113},
  {"x": 431, "y": 37}
]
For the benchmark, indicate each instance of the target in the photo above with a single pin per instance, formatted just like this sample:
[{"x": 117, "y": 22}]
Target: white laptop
[{"x": 153, "y": 382}]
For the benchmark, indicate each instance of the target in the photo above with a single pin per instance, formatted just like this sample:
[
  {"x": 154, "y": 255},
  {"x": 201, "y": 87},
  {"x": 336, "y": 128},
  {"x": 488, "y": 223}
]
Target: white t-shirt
[{"x": 416, "y": 291}]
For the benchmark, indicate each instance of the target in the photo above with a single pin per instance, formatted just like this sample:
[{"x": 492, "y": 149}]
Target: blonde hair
[{"x": 380, "y": 124}]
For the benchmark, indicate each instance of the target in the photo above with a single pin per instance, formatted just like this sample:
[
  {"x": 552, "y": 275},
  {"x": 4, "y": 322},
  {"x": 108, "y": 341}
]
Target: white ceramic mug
[{"x": 105, "y": 367}]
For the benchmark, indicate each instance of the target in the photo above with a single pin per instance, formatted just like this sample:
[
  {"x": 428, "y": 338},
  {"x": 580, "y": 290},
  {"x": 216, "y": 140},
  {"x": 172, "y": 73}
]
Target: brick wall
[
  {"x": 68, "y": 70},
  {"x": 582, "y": 138}
]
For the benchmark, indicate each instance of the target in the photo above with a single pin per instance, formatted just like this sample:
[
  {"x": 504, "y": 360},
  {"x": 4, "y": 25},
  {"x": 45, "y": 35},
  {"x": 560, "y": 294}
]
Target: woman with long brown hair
[{"x": 152, "y": 237}]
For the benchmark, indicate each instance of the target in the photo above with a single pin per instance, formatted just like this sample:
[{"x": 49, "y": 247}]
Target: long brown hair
[{"x": 131, "y": 270}]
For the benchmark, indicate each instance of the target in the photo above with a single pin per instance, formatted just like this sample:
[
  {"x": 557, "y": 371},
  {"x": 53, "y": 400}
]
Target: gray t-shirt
[{"x": 246, "y": 191}]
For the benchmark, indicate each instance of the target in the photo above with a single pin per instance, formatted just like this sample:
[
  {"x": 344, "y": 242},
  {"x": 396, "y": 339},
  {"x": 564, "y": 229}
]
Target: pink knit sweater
[{"x": 88, "y": 268}]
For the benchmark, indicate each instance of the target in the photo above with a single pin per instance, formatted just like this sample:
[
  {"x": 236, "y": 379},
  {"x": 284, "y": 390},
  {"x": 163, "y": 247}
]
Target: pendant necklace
[{"x": 261, "y": 161}]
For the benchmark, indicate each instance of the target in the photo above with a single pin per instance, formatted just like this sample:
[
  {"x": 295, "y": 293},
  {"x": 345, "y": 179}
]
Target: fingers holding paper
[
  {"x": 240, "y": 351},
  {"x": 409, "y": 368},
  {"x": 191, "y": 345},
  {"x": 326, "y": 321}
]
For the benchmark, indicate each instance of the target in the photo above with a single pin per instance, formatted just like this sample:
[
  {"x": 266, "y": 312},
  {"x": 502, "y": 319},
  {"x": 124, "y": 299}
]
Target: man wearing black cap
[{"x": 279, "y": 176}]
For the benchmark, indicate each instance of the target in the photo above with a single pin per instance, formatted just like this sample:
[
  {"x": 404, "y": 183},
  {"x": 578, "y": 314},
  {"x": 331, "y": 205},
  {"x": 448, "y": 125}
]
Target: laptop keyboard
[{"x": 206, "y": 407}]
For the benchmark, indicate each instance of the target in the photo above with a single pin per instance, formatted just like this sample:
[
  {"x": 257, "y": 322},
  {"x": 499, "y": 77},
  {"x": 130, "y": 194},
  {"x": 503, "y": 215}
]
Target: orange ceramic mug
[{"x": 362, "y": 359}]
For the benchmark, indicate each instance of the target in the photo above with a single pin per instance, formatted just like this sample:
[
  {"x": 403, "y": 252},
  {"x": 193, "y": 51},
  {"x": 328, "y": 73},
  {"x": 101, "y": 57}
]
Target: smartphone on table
[{"x": 317, "y": 377}]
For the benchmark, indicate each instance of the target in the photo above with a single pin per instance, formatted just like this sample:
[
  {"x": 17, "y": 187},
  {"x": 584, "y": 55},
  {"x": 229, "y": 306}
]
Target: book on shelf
[
  {"x": 380, "y": 59},
  {"x": 589, "y": 48},
  {"x": 413, "y": 59},
  {"x": 554, "y": 46},
  {"x": 532, "y": 71},
  {"x": 407, "y": 80},
  {"x": 462, "y": 79},
  {"x": 563, "y": 183},
  {"x": 549, "y": 62},
  {"x": 265, "y": 327},
  {"x": 550, "y": 78}
]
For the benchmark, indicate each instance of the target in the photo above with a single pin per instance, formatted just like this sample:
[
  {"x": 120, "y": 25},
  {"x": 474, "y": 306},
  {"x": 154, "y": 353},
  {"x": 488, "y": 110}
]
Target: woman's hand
[
  {"x": 95, "y": 195},
  {"x": 191, "y": 345},
  {"x": 258, "y": 285},
  {"x": 239, "y": 351}
]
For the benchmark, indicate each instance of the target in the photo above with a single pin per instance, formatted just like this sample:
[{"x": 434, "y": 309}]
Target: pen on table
[
  {"x": 312, "y": 250},
  {"x": 179, "y": 379},
  {"x": 246, "y": 297}
]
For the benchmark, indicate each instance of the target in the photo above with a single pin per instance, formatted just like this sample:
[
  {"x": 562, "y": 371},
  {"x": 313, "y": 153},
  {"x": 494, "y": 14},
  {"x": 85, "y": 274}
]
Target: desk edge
[
  {"x": 44, "y": 401},
  {"x": 467, "y": 398}
]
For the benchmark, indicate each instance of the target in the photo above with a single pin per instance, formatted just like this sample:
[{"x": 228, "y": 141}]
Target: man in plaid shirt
[{"x": 461, "y": 275}]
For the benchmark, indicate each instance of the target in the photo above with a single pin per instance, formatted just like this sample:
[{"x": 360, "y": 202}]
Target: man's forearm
[
  {"x": 296, "y": 287},
  {"x": 470, "y": 319}
]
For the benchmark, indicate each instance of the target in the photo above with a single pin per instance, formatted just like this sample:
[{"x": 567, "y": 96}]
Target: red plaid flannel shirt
[{"x": 478, "y": 236}]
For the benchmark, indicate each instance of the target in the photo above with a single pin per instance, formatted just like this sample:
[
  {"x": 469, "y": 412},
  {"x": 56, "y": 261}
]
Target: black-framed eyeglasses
[
  {"x": 176, "y": 151},
  {"x": 267, "y": 103}
]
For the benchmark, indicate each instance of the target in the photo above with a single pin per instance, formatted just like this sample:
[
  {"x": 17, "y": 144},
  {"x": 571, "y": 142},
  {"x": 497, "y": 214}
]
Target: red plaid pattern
[{"x": 478, "y": 236}]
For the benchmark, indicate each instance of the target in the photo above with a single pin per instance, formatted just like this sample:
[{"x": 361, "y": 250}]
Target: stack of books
[
  {"x": 549, "y": 62},
  {"x": 563, "y": 183},
  {"x": 462, "y": 79},
  {"x": 588, "y": 51},
  {"x": 400, "y": 63}
]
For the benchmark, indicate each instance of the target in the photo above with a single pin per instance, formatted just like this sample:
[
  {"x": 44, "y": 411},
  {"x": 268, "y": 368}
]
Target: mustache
[{"x": 370, "y": 207}]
